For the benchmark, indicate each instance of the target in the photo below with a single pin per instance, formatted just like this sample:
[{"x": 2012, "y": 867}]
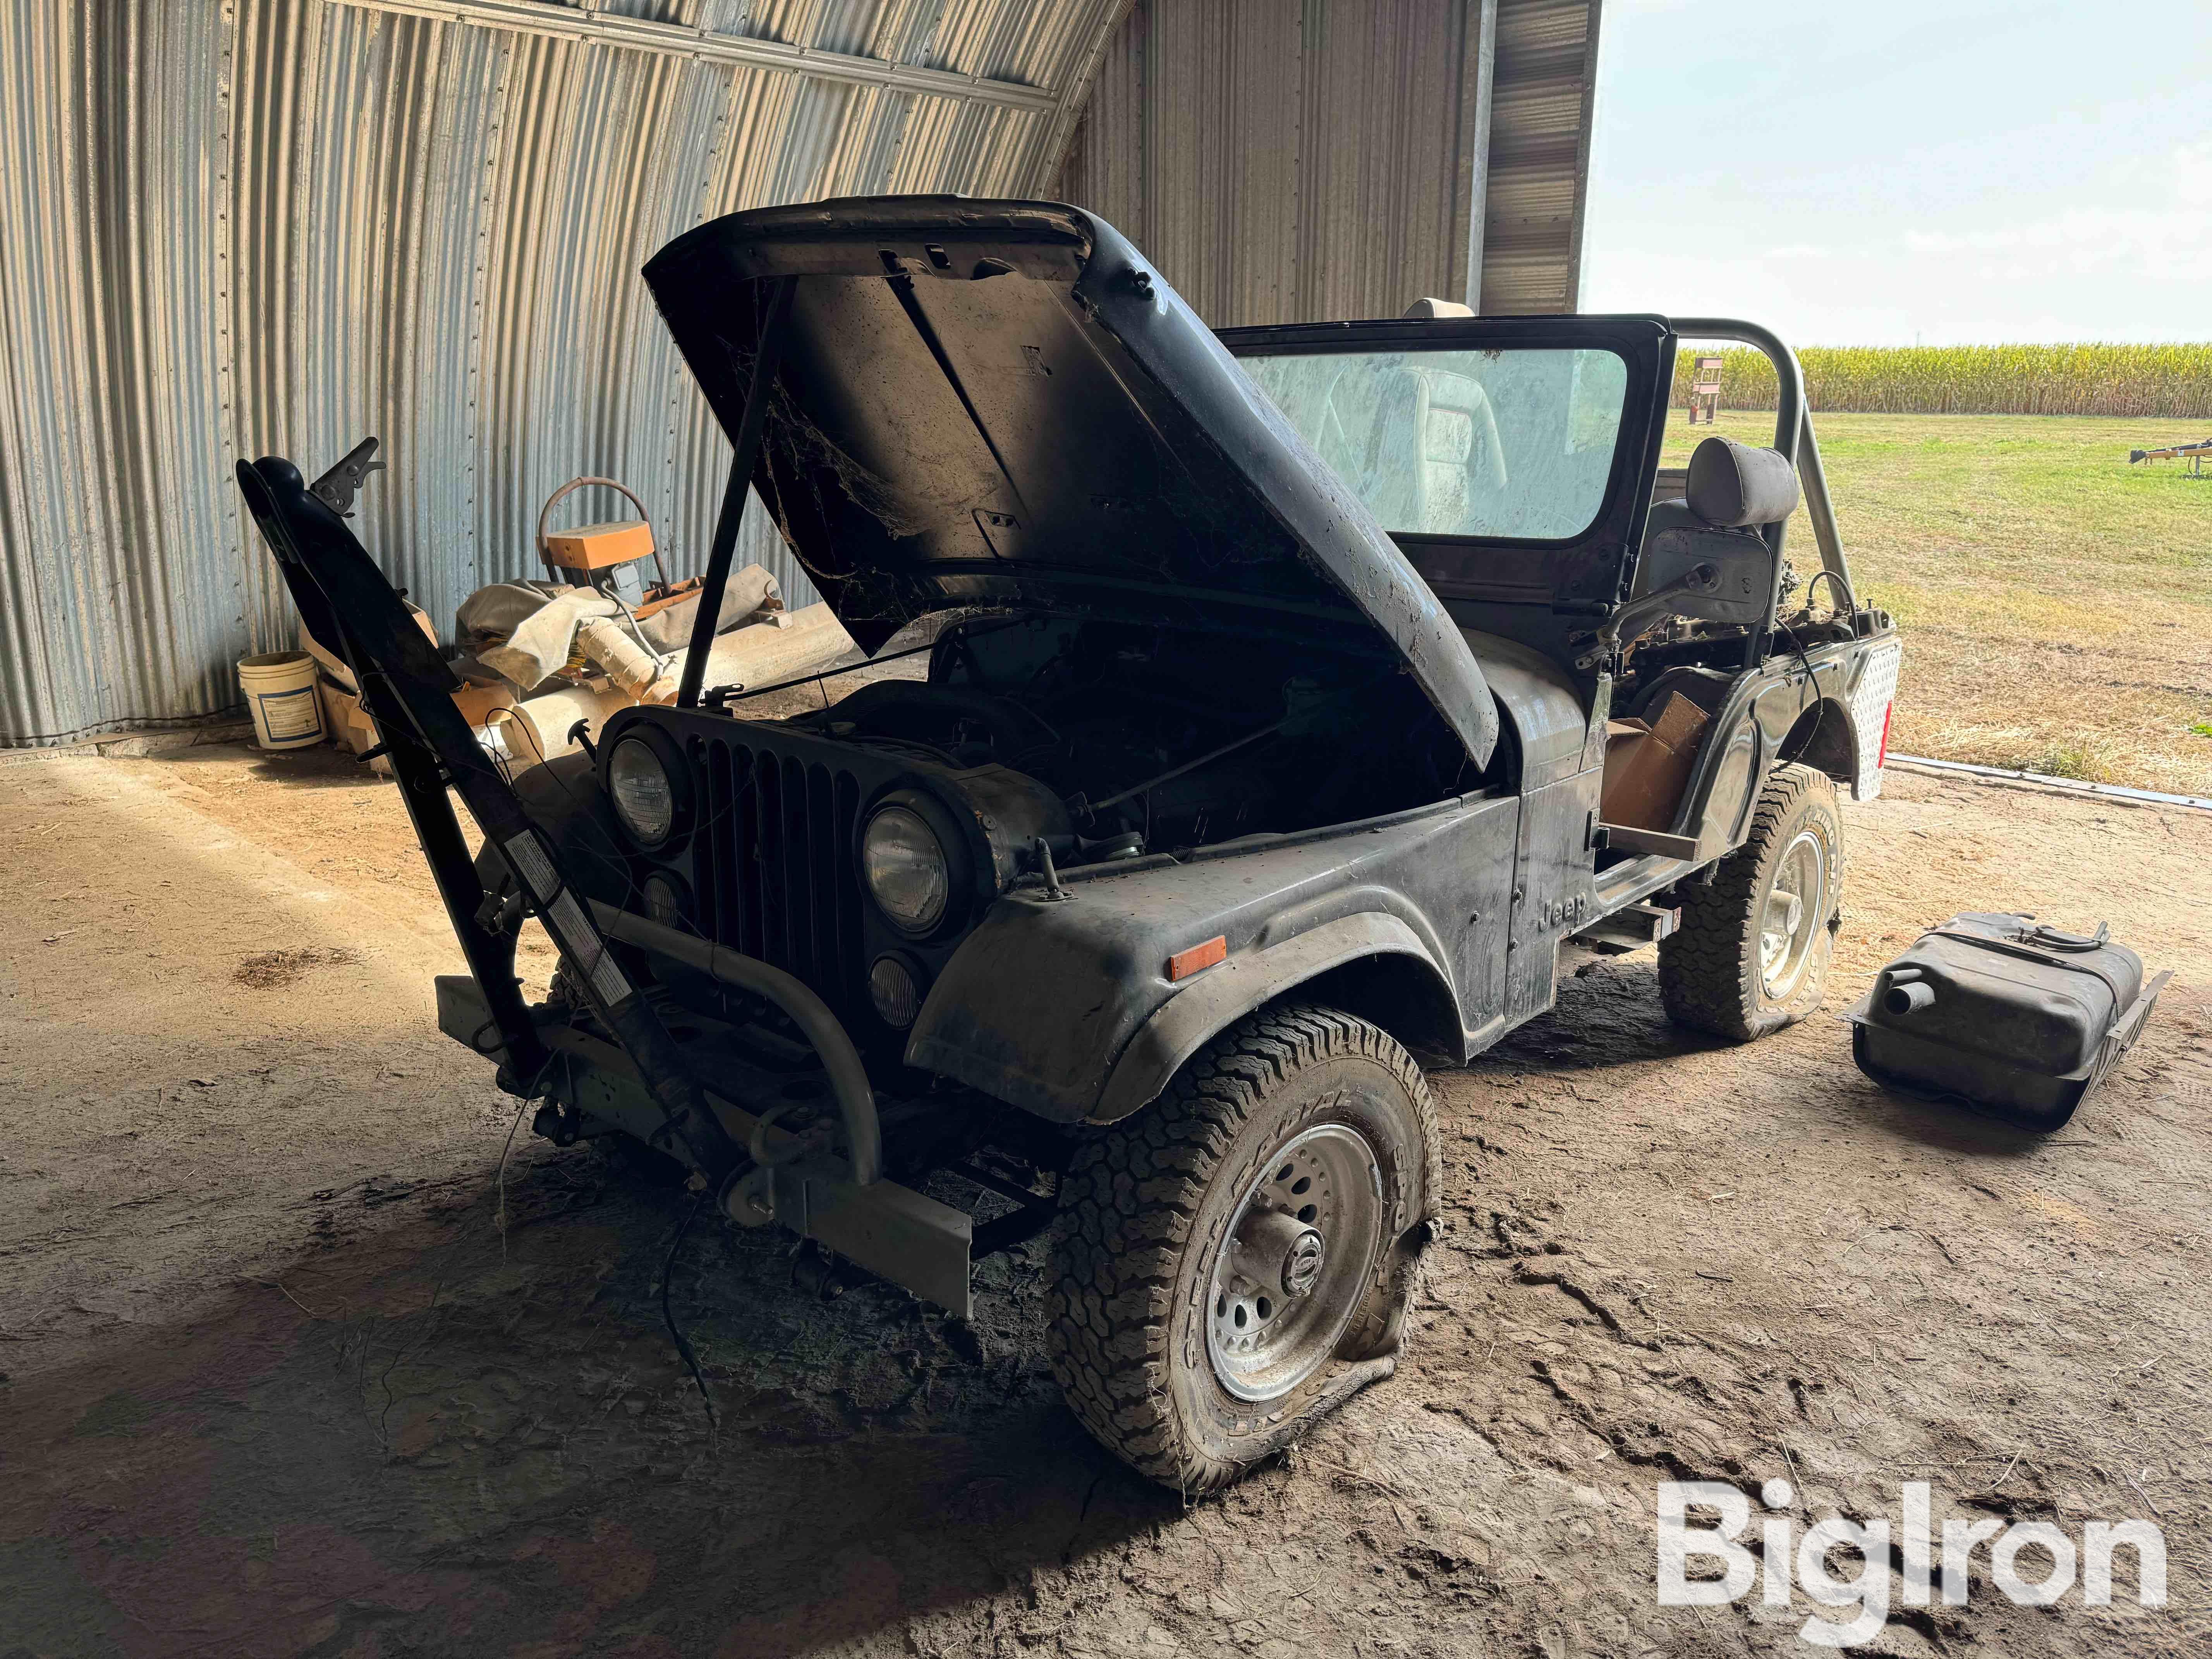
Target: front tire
[
  {"x": 1227, "y": 1250},
  {"x": 1752, "y": 951}
]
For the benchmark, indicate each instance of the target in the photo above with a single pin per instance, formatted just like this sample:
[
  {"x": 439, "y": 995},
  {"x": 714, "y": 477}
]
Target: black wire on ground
[{"x": 683, "y": 1346}]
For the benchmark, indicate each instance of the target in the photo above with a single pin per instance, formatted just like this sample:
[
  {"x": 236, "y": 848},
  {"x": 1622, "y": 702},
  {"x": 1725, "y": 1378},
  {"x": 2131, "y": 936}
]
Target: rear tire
[
  {"x": 1223, "y": 1249},
  {"x": 1752, "y": 951}
]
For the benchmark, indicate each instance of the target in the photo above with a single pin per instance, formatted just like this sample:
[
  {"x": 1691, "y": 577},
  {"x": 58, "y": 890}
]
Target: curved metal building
[{"x": 234, "y": 226}]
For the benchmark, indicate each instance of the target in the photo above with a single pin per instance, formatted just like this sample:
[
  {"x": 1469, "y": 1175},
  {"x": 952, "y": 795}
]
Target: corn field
[{"x": 2160, "y": 381}]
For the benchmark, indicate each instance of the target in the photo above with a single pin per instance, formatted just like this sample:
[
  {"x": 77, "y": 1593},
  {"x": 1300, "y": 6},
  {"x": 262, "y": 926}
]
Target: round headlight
[
  {"x": 644, "y": 796},
  {"x": 666, "y": 900},
  {"x": 892, "y": 989},
  {"x": 906, "y": 868}
]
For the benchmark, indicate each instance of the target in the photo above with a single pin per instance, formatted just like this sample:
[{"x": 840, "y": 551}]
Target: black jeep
[{"x": 1265, "y": 728}]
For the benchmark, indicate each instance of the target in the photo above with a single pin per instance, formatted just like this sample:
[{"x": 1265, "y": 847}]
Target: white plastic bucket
[{"x": 280, "y": 690}]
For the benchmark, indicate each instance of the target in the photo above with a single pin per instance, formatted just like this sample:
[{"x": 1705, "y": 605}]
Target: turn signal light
[{"x": 1183, "y": 964}]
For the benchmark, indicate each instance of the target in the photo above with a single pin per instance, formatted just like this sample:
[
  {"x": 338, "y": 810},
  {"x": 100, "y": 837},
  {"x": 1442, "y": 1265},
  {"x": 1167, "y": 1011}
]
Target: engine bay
[{"x": 1160, "y": 739}]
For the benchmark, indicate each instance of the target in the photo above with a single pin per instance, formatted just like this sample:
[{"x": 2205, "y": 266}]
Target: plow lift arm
[{"x": 347, "y": 602}]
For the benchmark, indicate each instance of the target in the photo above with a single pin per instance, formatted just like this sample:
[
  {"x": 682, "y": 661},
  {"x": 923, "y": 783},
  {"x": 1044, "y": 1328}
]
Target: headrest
[{"x": 1732, "y": 484}]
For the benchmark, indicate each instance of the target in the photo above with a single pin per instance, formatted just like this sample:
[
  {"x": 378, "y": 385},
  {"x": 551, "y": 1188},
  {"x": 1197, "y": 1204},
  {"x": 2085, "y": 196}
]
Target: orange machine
[{"x": 607, "y": 556}]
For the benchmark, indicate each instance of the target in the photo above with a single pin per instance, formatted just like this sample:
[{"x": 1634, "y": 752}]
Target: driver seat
[{"x": 1734, "y": 491}]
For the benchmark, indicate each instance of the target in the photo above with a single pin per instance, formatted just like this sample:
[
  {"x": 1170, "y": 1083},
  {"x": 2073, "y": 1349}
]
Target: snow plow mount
[{"x": 636, "y": 1077}]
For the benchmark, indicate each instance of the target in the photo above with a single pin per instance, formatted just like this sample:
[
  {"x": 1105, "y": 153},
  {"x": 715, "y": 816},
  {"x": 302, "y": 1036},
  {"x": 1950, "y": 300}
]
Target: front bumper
[{"x": 893, "y": 1231}]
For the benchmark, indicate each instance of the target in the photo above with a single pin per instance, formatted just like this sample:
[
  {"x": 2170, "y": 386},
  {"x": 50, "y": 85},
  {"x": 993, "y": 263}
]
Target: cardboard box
[
  {"x": 333, "y": 665},
  {"x": 1647, "y": 766},
  {"x": 352, "y": 730},
  {"x": 478, "y": 702},
  {"x": 343, "y": 717}
]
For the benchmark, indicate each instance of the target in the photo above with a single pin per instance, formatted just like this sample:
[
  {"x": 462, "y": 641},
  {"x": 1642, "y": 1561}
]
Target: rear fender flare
[
  {"x": 1826, "y": 738},
  {"x": 1244, "y": 983}
]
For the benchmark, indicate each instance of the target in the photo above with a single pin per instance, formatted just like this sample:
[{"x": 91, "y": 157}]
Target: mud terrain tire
[
  {"x": 1723, "y": 971},
  {"x": 1161, "y": 1214}
]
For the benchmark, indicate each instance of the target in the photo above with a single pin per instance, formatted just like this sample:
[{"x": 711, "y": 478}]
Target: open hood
[{"x": 1001, "y": 403}]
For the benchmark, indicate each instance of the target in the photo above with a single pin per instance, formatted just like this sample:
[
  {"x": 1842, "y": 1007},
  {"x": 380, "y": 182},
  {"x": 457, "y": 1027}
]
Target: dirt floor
[{"x": 279, "y": 1383}]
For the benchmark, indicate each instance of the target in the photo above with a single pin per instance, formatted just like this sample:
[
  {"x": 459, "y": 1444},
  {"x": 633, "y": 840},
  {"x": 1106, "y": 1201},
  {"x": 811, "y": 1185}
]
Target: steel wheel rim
[
  {"x": 1792, "y": 915},
  {"x": 1292, "y": 1265}
]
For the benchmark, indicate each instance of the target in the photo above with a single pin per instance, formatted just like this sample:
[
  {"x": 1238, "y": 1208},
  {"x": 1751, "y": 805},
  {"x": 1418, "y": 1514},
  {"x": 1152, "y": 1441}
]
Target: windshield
[{"x": 1513, "y": 444}]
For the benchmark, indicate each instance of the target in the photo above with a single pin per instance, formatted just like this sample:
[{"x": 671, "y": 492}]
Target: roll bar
[{"x": 1793, "y": 437}]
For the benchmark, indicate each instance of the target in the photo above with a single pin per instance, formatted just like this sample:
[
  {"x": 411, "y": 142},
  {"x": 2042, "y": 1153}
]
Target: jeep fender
[
  {"x": 1833, "y": 723},
  {"x": 1054, "y": 1007},
  {"x": 1047, "y": 1000},
  {"x": 1223, "y": 995},
  {"x": 1070, "y": 1014}
]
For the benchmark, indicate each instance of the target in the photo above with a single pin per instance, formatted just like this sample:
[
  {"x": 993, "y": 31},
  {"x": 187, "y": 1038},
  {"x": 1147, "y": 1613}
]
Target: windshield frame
[
  {"x": 1372, "y": 346},
  {"x": 1583, "y": 573}
]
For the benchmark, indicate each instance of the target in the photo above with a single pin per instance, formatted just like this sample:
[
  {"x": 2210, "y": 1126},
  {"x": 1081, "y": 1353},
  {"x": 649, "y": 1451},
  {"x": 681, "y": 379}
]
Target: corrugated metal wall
[
  {"x": 1542, "y": 92},
  {"x": 1300, "y": 160},
  {"x": 1287, "y": 160},
  {"x": 235, "y": 227}
]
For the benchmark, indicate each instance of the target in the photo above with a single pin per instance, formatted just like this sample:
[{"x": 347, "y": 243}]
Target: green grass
[
  {"x": 2137, "y": 381},
  {"x": 2056, "y": 601}
]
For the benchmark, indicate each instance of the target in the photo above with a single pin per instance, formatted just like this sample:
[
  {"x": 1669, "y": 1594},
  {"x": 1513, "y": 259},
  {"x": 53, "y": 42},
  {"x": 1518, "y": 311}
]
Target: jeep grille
[{"x": 776, "y": 864}]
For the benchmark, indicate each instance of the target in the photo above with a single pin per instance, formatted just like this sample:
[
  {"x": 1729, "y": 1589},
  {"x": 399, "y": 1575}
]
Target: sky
[{"x": 1883, "y": 171}]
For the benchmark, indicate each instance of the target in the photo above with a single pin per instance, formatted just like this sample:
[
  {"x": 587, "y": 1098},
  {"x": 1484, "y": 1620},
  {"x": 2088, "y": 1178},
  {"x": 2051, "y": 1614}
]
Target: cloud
[
  {"x": 2123, "y": 263},
  {"x": 1979, "y": 170},
  {"x": 2171, "y": 245},
  {"x": 2184, "y": 173}
]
